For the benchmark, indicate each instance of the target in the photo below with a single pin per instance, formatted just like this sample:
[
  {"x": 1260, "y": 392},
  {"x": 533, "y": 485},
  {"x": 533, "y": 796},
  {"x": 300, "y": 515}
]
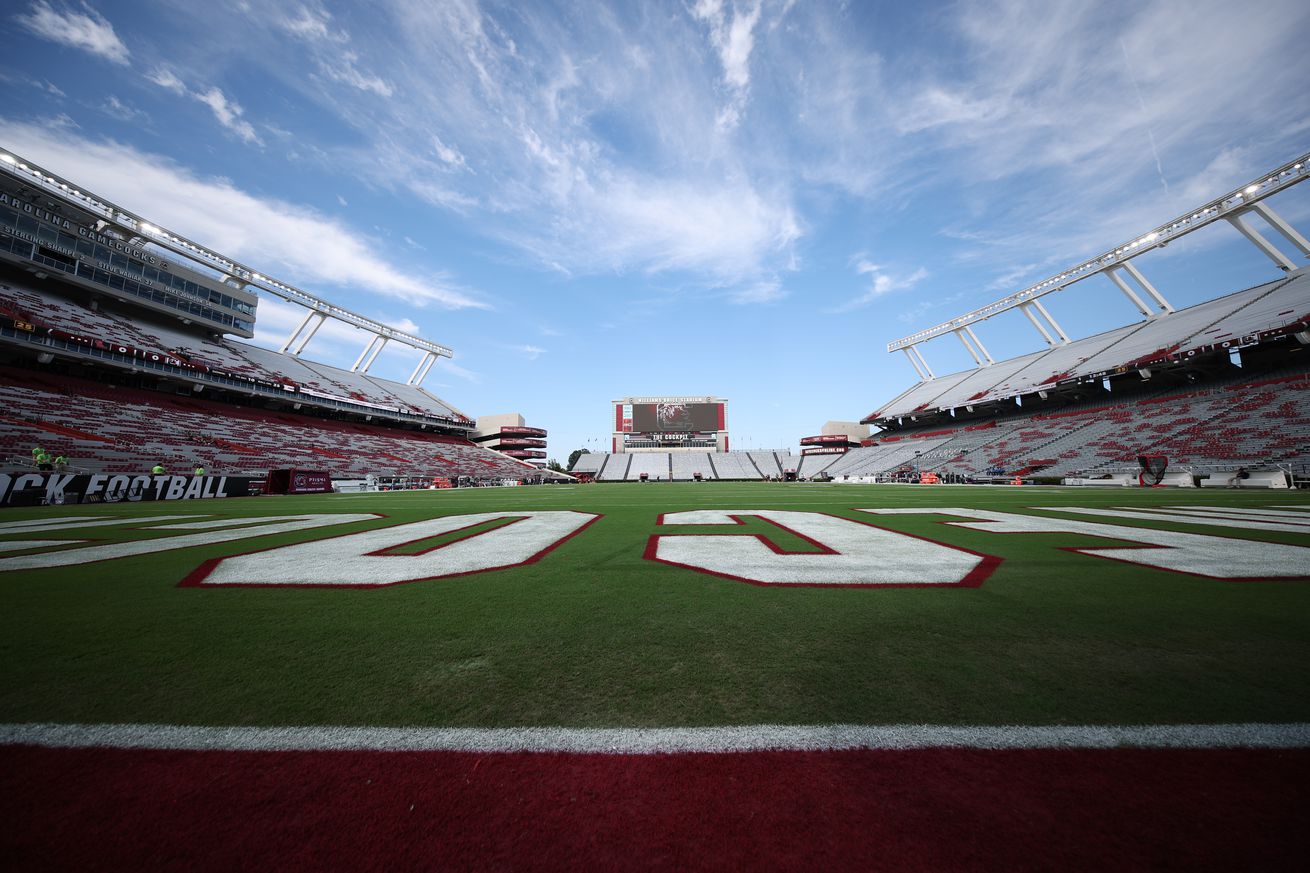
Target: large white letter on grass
[
  {"x": 361, "y": 560},
  {"x": 1197, "y": 554},
  {"x": 214, "y": 531},
  {"x": 853, "y": 553}
]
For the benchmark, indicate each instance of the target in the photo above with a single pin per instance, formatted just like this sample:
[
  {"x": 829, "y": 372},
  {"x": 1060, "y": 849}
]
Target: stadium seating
[
  {"x": 654, "y": 464},
  {"x": 48, "y": 308},
  {"x": 589, "y": 463},
  {"x": 687, "y": 464},
  {"x": 812, "y": 465},
  {"x": 1254, "y": 421},
  {"x": 733, "y": 465},
  {"x": 1262, "y": 308},
  {"x": 112, "y": 429},
  {"x": 615, "y": 468}
]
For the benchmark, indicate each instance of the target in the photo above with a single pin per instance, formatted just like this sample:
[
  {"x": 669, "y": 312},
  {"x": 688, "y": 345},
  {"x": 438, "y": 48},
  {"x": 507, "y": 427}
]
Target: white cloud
[
  {"x": 122, "y": 111},
  {"x": 228, "y": 113},
  {"x": 347, "y": 73},
  {"x": 530, "y": 352},
  {"x": 534, "y": 165},
  {"x": 882, "y": 284},
  {"x": 308, "y": 23},
  {"x": 86, "y": 30},
  {"x": 733, "y": 39},
  {"x": 448, "y": 154},
  {"x": 313, "y": 26},
  {"x": 294, "y": 242},
  {"x": 167, "y": 79}
]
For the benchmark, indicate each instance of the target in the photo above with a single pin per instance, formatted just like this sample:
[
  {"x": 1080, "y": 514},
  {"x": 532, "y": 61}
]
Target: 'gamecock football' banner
[{"x": 33, "y": 489}]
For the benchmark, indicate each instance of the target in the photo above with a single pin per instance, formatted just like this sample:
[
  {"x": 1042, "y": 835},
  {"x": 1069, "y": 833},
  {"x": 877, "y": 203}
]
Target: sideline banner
[
  {"x": 36, "y": 489},
  {"x": 299, "y": 482}
]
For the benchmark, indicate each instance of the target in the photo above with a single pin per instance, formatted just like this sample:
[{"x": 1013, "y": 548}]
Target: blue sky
[{"x": 750, "y": 199}]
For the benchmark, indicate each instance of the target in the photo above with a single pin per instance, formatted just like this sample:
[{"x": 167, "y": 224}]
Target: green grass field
[{"x": 595, "y": 634}]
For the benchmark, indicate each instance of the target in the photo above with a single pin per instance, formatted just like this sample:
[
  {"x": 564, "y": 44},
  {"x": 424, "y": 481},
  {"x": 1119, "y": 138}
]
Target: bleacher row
[
  {"x": 1225, "y": 425},
  {"x": 49, "y": 309},
  {"x": 1241, "y": 422},
  {"x": 1265, "y": 307},
  {"x": 103, "y": 428},
  {"x": 683, "y": 466}
]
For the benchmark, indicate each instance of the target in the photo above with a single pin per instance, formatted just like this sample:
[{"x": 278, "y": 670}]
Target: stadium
[{"x": 265, "y": 610}]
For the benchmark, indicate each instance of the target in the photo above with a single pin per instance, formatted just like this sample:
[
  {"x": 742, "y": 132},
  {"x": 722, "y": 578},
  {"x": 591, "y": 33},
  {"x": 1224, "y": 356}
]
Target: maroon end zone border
[
  {"x": 195, "y": 579},
  {"x": 922, "y": 810},
  {"x": 1094, "y": 551},
  {"x": 974, "y": 578}
]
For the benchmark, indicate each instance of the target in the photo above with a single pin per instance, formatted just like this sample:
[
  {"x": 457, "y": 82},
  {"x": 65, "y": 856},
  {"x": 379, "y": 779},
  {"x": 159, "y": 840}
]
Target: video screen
[{"x": 675, "y": 417}]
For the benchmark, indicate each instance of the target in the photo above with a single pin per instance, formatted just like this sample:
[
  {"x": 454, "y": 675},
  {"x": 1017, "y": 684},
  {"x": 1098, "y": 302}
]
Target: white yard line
[{"x": 646, "y": 741}]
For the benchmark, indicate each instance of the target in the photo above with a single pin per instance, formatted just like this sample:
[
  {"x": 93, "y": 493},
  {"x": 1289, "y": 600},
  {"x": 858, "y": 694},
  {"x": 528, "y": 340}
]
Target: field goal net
[{"x": 1153, "y": 467}]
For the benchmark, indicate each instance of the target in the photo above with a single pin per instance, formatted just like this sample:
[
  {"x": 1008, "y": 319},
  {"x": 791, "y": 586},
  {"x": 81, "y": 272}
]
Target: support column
[
  {"x": 924, "y": 361},
  {"x": 421, "y": 362},
  {"x": 1041, "y": 328},
  {"x": 1059, "y": 331},
  {"x": 431, "y": 361},
  {"x": 295, "y": 333},
  {"x": 1146, "y": 286},
  {"x": 914, "y": 363},
  {"x": 960, "y": 334},
  {"x": 1277, "y": 222},
  {"x": 368, "y": 348},
  {"x": 1113, "y": 275},
  {"x": 309, "y": 336},
  {"x": 987, "y": 356},
  {"x": 373, "y": 357},
  {"x": 1257, "y": 239}
]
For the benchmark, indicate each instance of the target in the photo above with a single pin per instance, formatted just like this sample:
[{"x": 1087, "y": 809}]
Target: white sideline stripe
[{"x": 648, "y": 741}]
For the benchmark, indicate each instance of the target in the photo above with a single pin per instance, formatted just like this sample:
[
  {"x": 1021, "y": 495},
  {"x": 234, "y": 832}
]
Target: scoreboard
[{"x": 670, "y": 423}]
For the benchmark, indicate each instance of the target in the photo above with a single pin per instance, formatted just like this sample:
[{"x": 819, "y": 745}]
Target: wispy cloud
[
  {"x": 881, "y": 283},
  {"x": 122, "y": 111},
  {"x": 84, "y": 29},
  {"x": 299, "y": 243},
  {"x": 226, "y": 111},
  {"x": 312, "y": 25},
  {"x": 531, "y": 117},
  {"x": 732, "y": 34},
  {"x": 168, "y": 80}
]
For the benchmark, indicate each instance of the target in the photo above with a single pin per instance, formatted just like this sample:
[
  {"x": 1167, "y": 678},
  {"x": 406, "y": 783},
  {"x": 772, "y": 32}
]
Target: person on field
[{"x": 1235, "y": 481}]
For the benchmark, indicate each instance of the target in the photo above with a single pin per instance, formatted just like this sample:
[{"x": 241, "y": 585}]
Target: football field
[{"x": 669, "y": 674}]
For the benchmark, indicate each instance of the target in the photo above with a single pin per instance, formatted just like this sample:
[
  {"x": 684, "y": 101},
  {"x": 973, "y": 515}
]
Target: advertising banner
[{"x": 299, "y": 482}]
